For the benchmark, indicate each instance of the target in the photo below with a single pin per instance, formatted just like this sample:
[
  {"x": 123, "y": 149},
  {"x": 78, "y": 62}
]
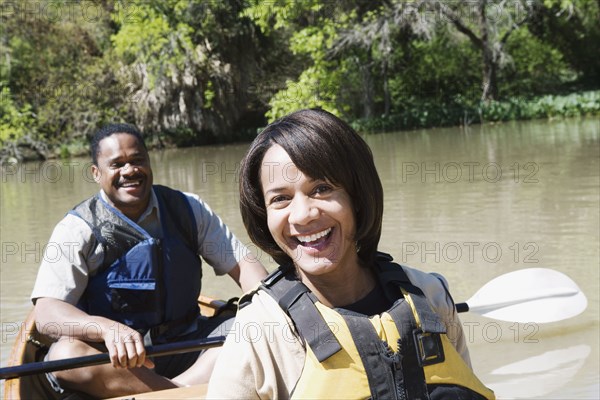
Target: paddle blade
[{"x": 529, "y": 295}]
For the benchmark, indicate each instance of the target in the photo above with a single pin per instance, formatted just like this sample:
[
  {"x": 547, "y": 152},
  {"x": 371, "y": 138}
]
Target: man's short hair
[{"x": 109, "y": 130}]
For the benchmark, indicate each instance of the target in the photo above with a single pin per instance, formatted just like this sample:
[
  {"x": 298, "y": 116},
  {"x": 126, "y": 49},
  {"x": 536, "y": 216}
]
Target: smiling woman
[
  {"x": 312, "y": 222},
  {"x": 339, "y": 319}
]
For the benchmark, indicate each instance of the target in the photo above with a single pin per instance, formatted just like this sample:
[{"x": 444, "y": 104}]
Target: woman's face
[{"x": 311, "y": 220}]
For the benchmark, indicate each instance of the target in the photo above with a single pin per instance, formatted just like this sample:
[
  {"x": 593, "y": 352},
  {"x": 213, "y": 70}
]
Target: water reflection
[{"x": 539, "y": 375}]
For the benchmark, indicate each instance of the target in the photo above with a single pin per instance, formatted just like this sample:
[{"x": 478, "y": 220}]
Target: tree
[
  {"x": 378, "y": 32},
  {"x": 571, "y": 27},
  {"x": 192, "y": 67},
  {"x": 338, "y": 64},
  {"x": 486, "y": 23},
  {"x": 51, "y": 60}
]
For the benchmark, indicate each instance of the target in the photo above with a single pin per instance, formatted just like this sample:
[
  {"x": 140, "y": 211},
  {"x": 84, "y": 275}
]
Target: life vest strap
[
  {"x": 382, "y": 366},
  {"x": 299, "y": 303},
  {"x": 159, "y": 330},
  {"x": 415, "y": 385},
  {"x": 395, "y": 281}
]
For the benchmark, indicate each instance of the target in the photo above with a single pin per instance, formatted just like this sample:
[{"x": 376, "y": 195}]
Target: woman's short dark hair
[{"x": 322, "y": 146}]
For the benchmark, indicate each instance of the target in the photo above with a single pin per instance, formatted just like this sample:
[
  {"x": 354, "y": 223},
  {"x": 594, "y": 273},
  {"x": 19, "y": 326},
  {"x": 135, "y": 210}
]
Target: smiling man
[
  {"x": 130, "y": 274},
  {"x": 122, "y": 169}
]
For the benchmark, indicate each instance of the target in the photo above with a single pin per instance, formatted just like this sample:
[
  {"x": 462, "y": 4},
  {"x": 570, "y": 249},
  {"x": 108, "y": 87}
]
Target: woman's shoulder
[
  {"x": 434, "y": 287},
  {"x": 425, "y": 280},
  {"x": 258, "y": 305}
]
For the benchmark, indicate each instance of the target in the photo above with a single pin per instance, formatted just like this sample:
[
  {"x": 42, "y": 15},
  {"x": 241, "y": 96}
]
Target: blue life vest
[{"x": 147, "y": 283}]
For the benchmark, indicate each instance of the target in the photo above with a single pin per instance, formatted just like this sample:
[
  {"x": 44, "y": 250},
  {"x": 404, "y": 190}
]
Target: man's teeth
[
  {"x": 314, "y": 236},
  {"x": 130, "y": 184}
]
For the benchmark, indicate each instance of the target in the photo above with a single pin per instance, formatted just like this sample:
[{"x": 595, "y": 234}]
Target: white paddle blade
[{"x": 529, "y": 295}]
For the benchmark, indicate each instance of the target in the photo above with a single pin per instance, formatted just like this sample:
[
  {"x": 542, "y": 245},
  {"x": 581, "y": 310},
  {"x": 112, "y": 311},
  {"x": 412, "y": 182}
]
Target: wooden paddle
[
  {"x": 102, "y": 358},
  {"x": 535, "y": 295}
]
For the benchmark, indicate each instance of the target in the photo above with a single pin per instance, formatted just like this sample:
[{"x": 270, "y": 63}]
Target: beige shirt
[
  {"x": 263, "y": 356},
  {"x": 72, "y": 254}
]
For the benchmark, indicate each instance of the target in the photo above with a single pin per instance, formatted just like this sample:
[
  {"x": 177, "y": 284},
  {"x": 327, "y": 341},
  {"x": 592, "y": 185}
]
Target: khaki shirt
[{"x": 73, "y": 255}]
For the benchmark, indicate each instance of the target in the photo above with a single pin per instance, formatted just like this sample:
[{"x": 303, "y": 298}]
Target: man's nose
[{"x": 128, "y": 168}]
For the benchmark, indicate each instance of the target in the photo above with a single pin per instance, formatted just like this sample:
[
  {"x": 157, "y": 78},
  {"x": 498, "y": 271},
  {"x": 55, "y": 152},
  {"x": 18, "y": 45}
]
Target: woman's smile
[{"x": 314, "y": 239}]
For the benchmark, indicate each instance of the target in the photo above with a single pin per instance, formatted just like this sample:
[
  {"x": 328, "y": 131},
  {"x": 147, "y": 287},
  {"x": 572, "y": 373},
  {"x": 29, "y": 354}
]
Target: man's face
[{"x": 124, "y": 173}]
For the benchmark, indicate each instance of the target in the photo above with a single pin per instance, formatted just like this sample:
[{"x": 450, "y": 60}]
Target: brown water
[{"x": 470, "y": 204}]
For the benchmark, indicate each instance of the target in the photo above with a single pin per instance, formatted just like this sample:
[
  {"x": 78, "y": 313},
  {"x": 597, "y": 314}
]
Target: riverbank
[
  {"x": 417, "y": 114},
  {"x": 425, "y": 114}
]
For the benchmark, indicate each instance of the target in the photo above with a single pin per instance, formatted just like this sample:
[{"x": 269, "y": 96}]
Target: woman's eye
[
  {"x": 321, "y": 189},
  {"x": 278, "y": 199}
]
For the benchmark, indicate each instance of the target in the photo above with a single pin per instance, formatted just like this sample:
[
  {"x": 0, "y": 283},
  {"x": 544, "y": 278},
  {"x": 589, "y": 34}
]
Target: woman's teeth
[{"x": 314, "y": 236}]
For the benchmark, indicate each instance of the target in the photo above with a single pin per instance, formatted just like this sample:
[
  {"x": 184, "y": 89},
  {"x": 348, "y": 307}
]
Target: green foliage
[
  {"x": 436, "y": 70},
  {"x": 15, "y": 121},
  {"x": 192, "y": 64},
  {"x": 277, "y": 15},
  {"x": 424, "y": 114},
  {"x": 549, "y": 106},
  {"x": 55, "y": 73},
  {"x": 191, "y": 72},
  {"x": 534, "y": 67},
  {"x": 153, "y": 35},
  {"x": 572, "y": 28},
  {"x": 319, "y": 84}
]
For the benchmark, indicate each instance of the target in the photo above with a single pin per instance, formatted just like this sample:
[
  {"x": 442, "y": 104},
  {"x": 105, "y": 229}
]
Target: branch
[
  {"x": 460, "y": 26},
  {"x": 514, "y": 27}
]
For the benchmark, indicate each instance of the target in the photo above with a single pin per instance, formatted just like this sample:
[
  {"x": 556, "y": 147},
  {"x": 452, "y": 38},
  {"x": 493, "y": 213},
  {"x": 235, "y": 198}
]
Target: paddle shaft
[
  {"x": 556, "y": 287},
  {"x": 103, "y": 358}
]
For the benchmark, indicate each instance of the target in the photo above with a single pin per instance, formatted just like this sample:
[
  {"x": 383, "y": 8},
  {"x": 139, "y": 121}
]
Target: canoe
[{"x": 30, "y": 346}]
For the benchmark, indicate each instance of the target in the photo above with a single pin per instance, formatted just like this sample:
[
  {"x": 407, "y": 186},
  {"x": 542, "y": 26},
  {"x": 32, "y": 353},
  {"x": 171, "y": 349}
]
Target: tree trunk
[
  {"x": 490, "y": 76},
  {"x": 490, "y": 65},
  {"x": 387, "y": 98},
  {"x": 368, "y": 90}
]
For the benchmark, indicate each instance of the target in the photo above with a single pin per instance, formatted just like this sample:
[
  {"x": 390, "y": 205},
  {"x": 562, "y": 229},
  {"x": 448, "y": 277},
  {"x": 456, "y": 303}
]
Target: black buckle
[
  {"x": 429, "y": 347},
  {"x": 276, "y": 275}
]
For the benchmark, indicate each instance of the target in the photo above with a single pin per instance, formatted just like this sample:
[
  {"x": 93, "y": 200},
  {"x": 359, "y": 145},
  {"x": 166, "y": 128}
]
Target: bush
[
  {"x": 426, "y": 114},
  {"x": 15, "y": 121}
]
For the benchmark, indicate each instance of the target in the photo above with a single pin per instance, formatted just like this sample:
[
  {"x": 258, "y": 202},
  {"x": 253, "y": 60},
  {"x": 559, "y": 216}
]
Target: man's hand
[
  {"x": 125, "y": 347},
  {"x": 62, "y": 320}
]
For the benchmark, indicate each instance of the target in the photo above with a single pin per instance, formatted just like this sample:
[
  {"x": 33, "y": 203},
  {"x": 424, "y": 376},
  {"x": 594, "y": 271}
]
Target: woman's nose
[{"x": 302, "y": 210}]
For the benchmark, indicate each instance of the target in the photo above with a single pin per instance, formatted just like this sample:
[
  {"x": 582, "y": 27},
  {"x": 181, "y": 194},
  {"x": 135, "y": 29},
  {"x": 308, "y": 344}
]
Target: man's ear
[{"x": 96, "y": 173}]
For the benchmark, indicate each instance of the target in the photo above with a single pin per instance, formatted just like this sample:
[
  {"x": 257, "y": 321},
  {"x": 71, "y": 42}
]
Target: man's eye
[{"x": 138, "y": 162}]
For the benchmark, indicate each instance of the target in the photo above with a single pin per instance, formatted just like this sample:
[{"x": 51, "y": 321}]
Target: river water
[{"x": 471, "y": 204}]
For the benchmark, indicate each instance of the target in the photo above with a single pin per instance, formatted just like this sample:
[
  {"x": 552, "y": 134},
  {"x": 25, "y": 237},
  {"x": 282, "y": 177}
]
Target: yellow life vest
[{"x": 403, "y": 353}]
